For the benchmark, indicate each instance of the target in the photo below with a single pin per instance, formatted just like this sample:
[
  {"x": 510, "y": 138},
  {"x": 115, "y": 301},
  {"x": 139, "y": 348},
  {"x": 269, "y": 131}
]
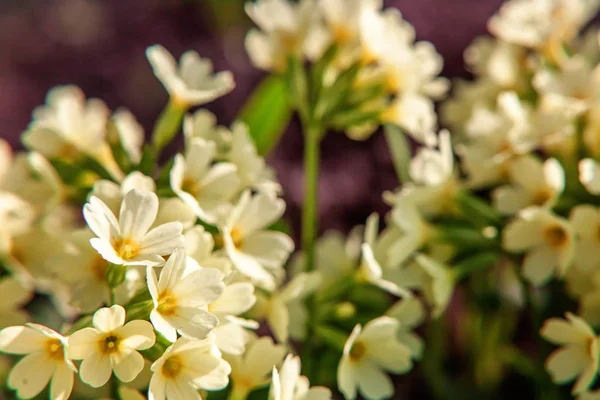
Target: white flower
[
  {"x": 200, "y": 244},
  {"x": 287, "y": 300},
  {"x": 69, "y": 126},
  {"x": 410, "y": 313},
  {"x": 496, "y": 60},
  {"x": 203, "y": 124},
  {"x": 131, "y": 134},
  {"x": 192, "y": 82},
  {"x": 547, "y": 240},
  {"x": 112, "y": 193},
  {"x": 181, "y": 297},
  {"x": 111, "y": 345},
  {"x": 286, "y": 28},
  {"x": 369, "y": 268},
  {"x": 204, "y": 187},
  {"x": 532, "y": 183},
  {"x": 288, "y": 384},
  {"x": 343, "y": 17},
  {"x": 253, "y": 369},
  {"x": 577, "y": 81},
  {"x": 46, "y": 361},
  {"x": 579, "y": 355},
  {"x": 185, "y": 367},
  {"x": 585, "y": 223},
  {"x": 589, "y": 175},
  {"x": 255, "y": 251},
  {"x": 437, "y": 284},
  {"x": 129, "y": 240},
  {"x": 14, "y": 296},
  {"x": 237, "y": 298},
  {"x": 368, "y": 353},
  {"x": 543, "y": 24},
  {"x": 413, "y": 112}
]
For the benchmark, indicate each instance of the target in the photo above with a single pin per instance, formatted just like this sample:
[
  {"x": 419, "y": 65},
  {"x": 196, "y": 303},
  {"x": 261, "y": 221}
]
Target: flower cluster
[{"x": 148, "y": 276}]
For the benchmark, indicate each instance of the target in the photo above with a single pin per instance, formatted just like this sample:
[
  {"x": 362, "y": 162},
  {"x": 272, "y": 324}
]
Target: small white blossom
[
  {"x": 255, "y": 251},
  {"x": 129, "y": 240},
  {"x": 185, "y": 367},
  {"x": 288, "y": 384},
  {"x": 46, "y": 361},
  {"x": 192, "y": 82},
  {"x": 547, "y": 240},
  {"x": 368, "y": 353},
  {"x": 204, "y": 187},
  {"x": 579, "y": 355},
  {"x": 181, "y": 297},
  {"x": 111, "y": 345}
]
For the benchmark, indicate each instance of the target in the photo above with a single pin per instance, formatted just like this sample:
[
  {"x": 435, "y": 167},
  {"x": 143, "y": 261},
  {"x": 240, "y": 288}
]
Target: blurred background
[{"x": 99, "y": 45}]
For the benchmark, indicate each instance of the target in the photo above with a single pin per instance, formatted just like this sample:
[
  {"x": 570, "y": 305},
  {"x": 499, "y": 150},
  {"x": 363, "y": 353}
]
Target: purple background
[{"x": 99, "y": 46}]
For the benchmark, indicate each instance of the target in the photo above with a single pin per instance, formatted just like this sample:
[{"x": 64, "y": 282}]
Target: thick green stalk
[
  {"x": 312, "y": 137},
  {"x": 311, "y": 185}
]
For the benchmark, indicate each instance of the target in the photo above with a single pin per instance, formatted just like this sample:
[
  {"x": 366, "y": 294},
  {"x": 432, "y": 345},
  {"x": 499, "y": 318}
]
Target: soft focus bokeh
[{"x": 99, "y": 46}]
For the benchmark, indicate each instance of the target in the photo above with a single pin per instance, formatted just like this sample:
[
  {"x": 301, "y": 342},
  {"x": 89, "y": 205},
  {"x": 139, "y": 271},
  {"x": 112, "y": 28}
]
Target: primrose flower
[
  {"x": 255, "y": 251},
  {"x": 579, "y": 355},
  {"x": 368, "y": 353},
  {"x": 181, "y": 297},
  {"x": 547, "y": 240},
  {"x": 185, "y": 367},
  {"x": 46, "y": 361},
  {"x": 111, "y": 345},
  {"x": 129, "y": 240},
  {"x": 192, "y": 82},
  {"x": 288, "y": 384},
  {"x": 205, "y": 188}
]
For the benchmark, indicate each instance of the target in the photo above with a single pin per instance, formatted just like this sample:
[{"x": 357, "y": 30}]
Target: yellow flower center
[
  {"x": 127, "y": 249},
  {"x": 541, "y": 197},
  {"x": 358, "y": 351},
  {"x": 172, "y": 367},
  {"x": 190, "y": 186},
  {"x": 236, "y": 238},
  {"x": 109, "y": 344},
  {"x": 341, "y": 34},
  {"x": 167, "y": 303},
  {"x": 556, "y": 236},
  {"x": 54, "y": 349}
]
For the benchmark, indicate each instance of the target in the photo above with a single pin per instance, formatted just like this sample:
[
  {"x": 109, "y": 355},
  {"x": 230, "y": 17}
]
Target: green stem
[
  {"x": 167, "y": 125},
  {"x": 312, "y": 136}
]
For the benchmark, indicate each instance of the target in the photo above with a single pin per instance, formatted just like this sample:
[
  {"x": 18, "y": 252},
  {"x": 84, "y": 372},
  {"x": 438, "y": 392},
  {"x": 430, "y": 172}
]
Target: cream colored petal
[
  {"x": 95, "y": 370},
  {"x": 31, "y": 375},
  {"x": 62, "y": 383},
  {"x": 566, "y": 363},
  {"x": 236, "y": 299},
  {"x": 108, "y": 319},
  {"x": 129, "y": 367},
  {"x": 373, "y": 382},
  {"x": 82, "y": 343},
  {"x": 21, "y": 340},
  {"x": 137, "y": 335},
  {"x": 347, "y": 378},
  {"x": 539, "y": 265},
  {"x": 138, "y": 212}
]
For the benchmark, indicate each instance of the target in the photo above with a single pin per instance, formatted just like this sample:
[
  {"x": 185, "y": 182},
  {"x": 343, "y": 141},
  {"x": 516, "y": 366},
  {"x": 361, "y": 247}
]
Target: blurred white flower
[
  {"x": 111, "y": 345},
  {"x": 129, "y": 240},
  {"x": 68, "y": 126},
  {"x": 185, "y": 367},
  {"x": 254, "y": 250},
  {"x": 286, "y": 28},
  {"x": 410, "y": 313},
  {"x": 589, "y": 175},
  {"x": 112, "y": 193},
  {"x": 253, "y": 369},
  {"x": 288, "y": 384},
  {"x": 204, "y": 187},
  {"x": 368, "y": 353},
  {"x": 131, "y": 134},
  {"x": 579, "y": 355},
  {"x": 437, "y": 283},
  {"x": 192, "y": 82},
  {"x": 547, "y": 241},
  {"x": 46, "y": 361},
  {"x": 181, "y": 297},
  {"x": 531, "y": 183},
  {"x": 14, "y": 296}
]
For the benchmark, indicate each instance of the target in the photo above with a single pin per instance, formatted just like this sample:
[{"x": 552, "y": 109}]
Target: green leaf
[
  {"x": 400, "y": 151},
  {"x": 267, "y": 113}
]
